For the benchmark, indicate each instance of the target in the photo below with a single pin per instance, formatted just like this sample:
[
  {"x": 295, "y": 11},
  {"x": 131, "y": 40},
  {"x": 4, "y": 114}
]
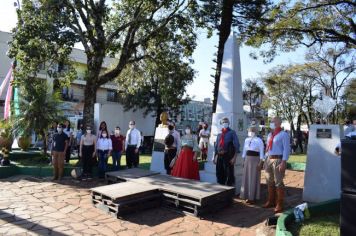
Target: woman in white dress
[{"x": 253, "y": 155}]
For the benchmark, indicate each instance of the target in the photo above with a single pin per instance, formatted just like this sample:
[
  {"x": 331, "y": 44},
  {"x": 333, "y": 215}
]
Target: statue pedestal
[{"x": 157, "y": 161}]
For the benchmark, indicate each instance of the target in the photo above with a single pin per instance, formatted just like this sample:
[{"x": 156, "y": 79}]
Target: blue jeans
[
  {"x": 116, "y": 159},
  {"x": 103, "y": 156}
]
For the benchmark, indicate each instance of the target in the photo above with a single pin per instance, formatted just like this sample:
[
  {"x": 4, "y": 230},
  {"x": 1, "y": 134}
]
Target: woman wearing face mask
[
  {"x": 253, "y": 155},
  {"x": 87, "y": 151},
  {"x": 102, "y": 127},
  {"x": 117, "y": 147},
  {"x": 69, "y": 132},
  {"x": 187, "y": 165},
  {"x": 104, "y": 147},
  {"x": 204, "y": 140}
]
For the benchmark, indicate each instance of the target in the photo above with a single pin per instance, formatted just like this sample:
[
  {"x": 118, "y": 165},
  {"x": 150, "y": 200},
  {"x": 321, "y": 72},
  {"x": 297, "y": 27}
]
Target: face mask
[
  {"x": 88, "y": 131},
  {"x": 187, "y": 131},
  {"x": 104, "y": 135},
  {"x": 170, "y": 127},
  {"x": 131, "y": 126},
  {"x": 59, "y": 130},
  {"x": 225, "y": 125},
  {"x": 272, "y": 125},
  {"x": 251, "y": 134}
]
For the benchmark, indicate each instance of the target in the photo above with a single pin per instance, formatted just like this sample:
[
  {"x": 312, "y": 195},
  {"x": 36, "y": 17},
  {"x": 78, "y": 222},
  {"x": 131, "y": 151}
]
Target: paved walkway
[{"x": 30, "y": 206}]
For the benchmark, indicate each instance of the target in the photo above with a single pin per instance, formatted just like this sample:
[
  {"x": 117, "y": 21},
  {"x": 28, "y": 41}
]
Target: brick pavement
[{"x": 30, "y": 206}]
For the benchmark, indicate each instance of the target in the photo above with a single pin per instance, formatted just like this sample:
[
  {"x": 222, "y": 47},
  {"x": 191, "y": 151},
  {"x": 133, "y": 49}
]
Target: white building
[{"x": 74, "y": 94}]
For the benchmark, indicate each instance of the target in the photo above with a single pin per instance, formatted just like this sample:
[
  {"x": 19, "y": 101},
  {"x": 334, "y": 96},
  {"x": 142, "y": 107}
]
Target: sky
[{"x": 203, "y": 56}]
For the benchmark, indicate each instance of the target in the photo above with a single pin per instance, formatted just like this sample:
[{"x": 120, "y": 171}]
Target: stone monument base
[
  {"x": 323, "y": 168},
  {"x": 157, "y": 161},
  {"x": 209, "y": 173}
]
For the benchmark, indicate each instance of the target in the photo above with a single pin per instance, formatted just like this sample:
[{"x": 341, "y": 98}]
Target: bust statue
[{"x": 163, "y": 118}]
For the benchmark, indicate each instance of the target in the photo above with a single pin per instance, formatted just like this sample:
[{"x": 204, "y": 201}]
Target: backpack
[{"x": 169, "y": 140}]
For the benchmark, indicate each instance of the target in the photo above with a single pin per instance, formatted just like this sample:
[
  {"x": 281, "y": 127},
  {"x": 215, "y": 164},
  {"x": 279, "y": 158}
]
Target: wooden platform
[
  {"x": 124, "y": 198},
  {"x": 190, "y": 196},
  {"x": 137, "y": 189},
  {"x": 128, "y": 174}
]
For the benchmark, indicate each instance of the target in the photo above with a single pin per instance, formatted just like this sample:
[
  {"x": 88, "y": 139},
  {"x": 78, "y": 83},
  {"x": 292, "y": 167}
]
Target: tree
[
  {"x": 301, "y": 22},
  {"x": 158, "y": 83},
  {"x": 251, "y": 93},
  {"x": 290, "y": 93},
  {"x": 120, "y": 29},
  {"x": 221, "y": 15},
  {"x": 350, "y": 99},
  {"x": 331, "y": 68},
  {"x": 38, "y": 109}
]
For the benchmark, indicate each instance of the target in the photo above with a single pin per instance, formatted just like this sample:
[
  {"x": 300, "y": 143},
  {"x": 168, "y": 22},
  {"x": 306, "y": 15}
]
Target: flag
[
  {"x": 7, "y": 110},
  {"x": 5, "y": 81}
]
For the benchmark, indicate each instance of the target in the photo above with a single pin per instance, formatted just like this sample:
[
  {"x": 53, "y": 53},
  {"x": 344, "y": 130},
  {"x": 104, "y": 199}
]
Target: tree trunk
[
  {"x": 43, "y": 134},
  {"x": 306, "y": 119},
  {"x": 299, "y": 121},
  {"x": 89, "y": 101},
  {"x": 158, "y": 113},
  {"x": 224, "y": 32},
  {"x": 292, "y": 129}
]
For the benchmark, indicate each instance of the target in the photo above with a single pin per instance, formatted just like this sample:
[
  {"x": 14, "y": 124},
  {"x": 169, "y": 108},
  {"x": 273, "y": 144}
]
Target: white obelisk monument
[{"x": 229, "y": 104}]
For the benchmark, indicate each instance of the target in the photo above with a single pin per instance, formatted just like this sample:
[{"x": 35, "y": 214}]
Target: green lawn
[
  {"x": 302, "y": 158},
  {"x": 320, "y": 225},
  {"x": 35, "y": 158}
]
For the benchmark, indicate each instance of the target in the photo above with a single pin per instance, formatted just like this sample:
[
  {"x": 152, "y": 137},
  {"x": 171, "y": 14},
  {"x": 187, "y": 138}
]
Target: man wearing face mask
[
  {"x": 277, "y": 152},
  {"x": 132, "y": 145},
  {"x": 118, "y": 141},
  {"x": 226, "y": 148},
  {"x": 59, "y": 148},
  {"x": 171, "y": 148}
]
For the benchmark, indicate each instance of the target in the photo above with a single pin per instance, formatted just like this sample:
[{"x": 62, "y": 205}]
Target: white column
[{"x": 229, "y": 104}]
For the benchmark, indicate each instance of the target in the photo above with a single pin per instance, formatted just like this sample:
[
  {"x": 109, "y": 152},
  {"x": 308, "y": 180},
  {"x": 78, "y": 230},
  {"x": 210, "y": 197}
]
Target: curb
[
  {"x": 8, "y": 171},
  {"x": 330, "y": 206}
]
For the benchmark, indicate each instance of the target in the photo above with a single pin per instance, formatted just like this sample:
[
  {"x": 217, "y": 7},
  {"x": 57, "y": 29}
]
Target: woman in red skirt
[{"x": 187, "y": 166}]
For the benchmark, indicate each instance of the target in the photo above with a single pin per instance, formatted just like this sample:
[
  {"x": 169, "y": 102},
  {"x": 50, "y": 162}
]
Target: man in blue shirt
[
  {"x": 277, "y": 152},
  {"x": 226, "y": 148}
]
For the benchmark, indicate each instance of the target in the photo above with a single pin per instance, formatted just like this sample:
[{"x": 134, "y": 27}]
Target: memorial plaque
[{"x": 323, "y": 133}]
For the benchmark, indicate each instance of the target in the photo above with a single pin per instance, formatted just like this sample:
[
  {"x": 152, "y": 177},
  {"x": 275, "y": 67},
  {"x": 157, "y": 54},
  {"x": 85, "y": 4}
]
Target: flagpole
[{"x": 16, "y": 97}]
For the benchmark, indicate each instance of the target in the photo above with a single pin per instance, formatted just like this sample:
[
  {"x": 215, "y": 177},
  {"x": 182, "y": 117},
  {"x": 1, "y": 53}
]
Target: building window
[{"x": 112, "y": 96}]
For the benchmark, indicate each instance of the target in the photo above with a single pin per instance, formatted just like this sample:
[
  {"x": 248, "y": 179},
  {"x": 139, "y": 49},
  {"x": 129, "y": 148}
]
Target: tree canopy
[
  {"x": 304, "y": 22},
  {"x": 122, "y": 29},
  {"x": 157, "y": 83}
]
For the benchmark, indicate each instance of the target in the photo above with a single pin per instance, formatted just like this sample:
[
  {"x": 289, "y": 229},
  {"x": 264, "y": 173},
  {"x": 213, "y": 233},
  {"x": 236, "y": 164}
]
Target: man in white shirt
[{"x": 132, "y": 145}]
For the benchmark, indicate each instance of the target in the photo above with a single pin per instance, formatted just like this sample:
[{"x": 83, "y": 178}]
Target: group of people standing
[
  {"x": 181, "y": 153},
  {"x": 181, "y": 160},
  {"x": 94, "y": 148}
]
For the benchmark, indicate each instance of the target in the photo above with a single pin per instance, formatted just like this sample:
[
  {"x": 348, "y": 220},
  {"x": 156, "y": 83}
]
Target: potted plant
[
  {"x": 24, "y": 142},
  {"x": 6, "y": 137}
]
